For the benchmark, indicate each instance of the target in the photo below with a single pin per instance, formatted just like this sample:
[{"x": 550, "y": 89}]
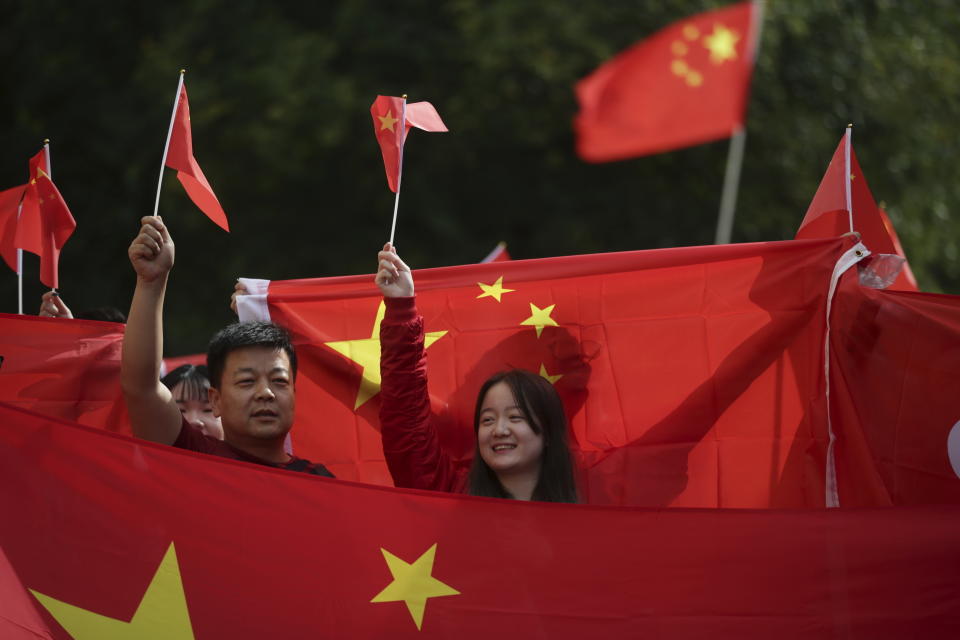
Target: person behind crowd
[
  {"x": 53, "y": 306},
  {"x": 521, "y": 429},
  {"x": 189, "y": 384},
  {"x": 252, "y": 369}
]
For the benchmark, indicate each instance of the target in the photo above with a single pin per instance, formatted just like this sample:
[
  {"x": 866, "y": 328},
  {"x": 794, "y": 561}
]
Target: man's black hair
[{"x": 246, "y": 334}]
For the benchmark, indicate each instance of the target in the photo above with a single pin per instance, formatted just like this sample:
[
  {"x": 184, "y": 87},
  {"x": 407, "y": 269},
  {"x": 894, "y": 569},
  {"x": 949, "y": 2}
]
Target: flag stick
[
  {"x": 731, "y": 179},
  {"x": 46, "y": 154},
  {"x": 403, "y": 135},
  {"x": 849, "y": 176},
  {"x": 166, "y": 146},
  {"x": 731, "y": 184},
  {"x": 19, "y": 267}
]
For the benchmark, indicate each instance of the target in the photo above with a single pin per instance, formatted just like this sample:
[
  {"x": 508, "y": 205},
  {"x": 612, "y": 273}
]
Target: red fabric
[
  {"x": 63, "y": 368},
  {"x": 895, "y": 361},
  {"x": 687, "y": 84},
  {"x": 45, "y": 222},
  {"x": 90, "y": 515},
  {"x": 180, "y": 157},
  {"x": 169, "y": 364},
  {"x": 827, "y": 216},
  {"x": 9, "y": 207},
  {"x": 392, "y": 119},
  {"x": 411, "y": 444},
  {"x": 192, "y": 439},
  {"x": 692, "y": 376}
]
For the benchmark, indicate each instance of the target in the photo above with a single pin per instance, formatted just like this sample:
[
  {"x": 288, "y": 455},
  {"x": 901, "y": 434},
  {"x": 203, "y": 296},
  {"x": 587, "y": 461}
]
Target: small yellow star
[
  {"x": 494, "y": 290},
  {"x": 366, "y": 353},
  {"x": 413, "y": 584},
  {"x": 387, "y": 121},
  {"x": 546, "y": 376},
  {"x": 722, "y": 44},
  {"x": 41, "y": 172},
  {"x": 162, "y": 613},
  {"x": 690, "y": 32},
  {"x": 540, "y": 318}
]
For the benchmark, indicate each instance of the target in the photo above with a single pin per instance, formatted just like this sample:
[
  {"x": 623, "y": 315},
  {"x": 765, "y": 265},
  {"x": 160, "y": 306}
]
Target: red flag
[
  {"x": 893, "y": 394},
  {"x": 45, "y": 222},
  {"x": 686, "y": 84},
  {"x": 692, "y": 376},
  {"x": 828, "y": 214},
  {"x": 9, "y": 210},
  {"x": 180, "y": 157},
  {"x": 114, "y": 537},
  {"x": 392, "y": 118},
  {"x": 67, "y": 369}
]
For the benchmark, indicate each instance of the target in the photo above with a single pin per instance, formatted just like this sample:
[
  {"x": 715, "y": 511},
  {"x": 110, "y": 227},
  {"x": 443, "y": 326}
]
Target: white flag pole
[
  {"x": 19, "y": 266},
  {"x": 847, "y": 144},
  {"x": 731, "y": 179},
  {"x": 46, "y": 154},
  {"x": 403, "y": 135},
  {"x": 166, "y": 146}
]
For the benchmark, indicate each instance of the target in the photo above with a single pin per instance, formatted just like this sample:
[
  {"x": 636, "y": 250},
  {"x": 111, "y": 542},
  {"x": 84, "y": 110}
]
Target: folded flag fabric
[{"x": 108, "y": 537}]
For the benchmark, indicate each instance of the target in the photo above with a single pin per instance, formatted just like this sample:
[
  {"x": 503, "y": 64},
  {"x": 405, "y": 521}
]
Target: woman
[
  {"x": 521, "y": 430},
  {"x": 189, "y": 384}
]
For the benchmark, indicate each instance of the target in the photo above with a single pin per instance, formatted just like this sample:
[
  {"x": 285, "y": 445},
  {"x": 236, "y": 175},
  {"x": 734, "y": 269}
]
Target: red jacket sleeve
[{"x": 410, "y": 442}]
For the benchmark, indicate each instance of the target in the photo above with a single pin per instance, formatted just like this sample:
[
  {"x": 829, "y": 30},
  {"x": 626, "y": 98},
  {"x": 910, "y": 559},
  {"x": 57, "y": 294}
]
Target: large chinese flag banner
[
  {"x": 108, "y": 537},
  {"x": 693, "y": 376},
  {"x": 64, "y": 368}
]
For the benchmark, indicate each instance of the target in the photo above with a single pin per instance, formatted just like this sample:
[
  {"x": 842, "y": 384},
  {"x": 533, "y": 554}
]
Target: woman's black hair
[
  {"x": 195, "y": 379},
  {"x": 543, "y": 409}
]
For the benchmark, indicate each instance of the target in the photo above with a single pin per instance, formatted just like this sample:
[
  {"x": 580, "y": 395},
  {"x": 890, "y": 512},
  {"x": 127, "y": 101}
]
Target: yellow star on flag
[
  {"x": 540, "y": 318},
  {"x": 366, "y": 353},
  {"x": 413, "y": 583},
  {"x": 722, "y": 44},
  {"x": 387, "y": 121},
  {"x": 546, "y": 376},
  {"x": 494, "y": 290},
  {"x": 162, "y": 613}
]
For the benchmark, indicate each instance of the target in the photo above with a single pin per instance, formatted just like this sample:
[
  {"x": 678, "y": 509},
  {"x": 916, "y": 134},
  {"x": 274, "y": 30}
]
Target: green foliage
[{"x": 280, "y": 92}]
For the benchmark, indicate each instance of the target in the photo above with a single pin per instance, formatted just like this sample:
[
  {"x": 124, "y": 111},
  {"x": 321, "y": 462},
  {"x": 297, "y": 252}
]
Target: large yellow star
[
  {"x": 546, "y": 376},
  {"x": 387, "y": 121},
  {"x": 540, "y": 318},
  {"x": 366, "y": 353},
  {"x": 494, "y": 290},
  {"x": 162, "y": 613},
  {"x": 413, "y": 584},
  {"x": 722, "y": 44}
]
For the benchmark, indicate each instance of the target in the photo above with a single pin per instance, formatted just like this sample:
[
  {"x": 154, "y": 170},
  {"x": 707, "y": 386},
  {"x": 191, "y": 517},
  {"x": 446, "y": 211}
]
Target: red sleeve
[{"x": 410, "y": 442}]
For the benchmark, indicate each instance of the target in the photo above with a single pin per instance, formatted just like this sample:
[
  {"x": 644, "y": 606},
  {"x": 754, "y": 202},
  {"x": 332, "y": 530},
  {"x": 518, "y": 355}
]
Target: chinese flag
[
  {"x": 66, "y": 369},
  {"x": 9, "y": 208},
  {"x": 45, "y": 222},
  {"x": 686, "y": 84},
  {"x": 828, "y": 216},
  {"x": 692, "y": 376},
  {"x": 180, "y": 157},
  {"x": 105, "y": 536},
  {"x": 392, "y": 119}
]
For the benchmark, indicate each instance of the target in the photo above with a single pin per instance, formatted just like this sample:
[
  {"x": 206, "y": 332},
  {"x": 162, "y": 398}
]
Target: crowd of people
[{"x": 241, "y": 404}]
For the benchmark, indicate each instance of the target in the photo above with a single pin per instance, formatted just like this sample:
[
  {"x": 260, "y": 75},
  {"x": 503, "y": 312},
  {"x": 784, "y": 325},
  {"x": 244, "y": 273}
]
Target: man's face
[{"x": 256, "y": 398}]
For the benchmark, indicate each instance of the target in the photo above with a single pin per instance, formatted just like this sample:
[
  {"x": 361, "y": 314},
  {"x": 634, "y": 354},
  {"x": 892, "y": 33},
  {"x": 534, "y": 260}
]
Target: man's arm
[{"x": 154, "y": 414}]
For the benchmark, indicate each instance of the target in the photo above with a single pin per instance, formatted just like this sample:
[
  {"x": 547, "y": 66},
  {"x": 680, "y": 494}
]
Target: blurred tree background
[{"x": 280, "y": 93}]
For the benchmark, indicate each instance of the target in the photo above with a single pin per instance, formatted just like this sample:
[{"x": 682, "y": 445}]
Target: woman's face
[
  {"x": 507, "y": 441},
  {"x": 198, "y": 413}
]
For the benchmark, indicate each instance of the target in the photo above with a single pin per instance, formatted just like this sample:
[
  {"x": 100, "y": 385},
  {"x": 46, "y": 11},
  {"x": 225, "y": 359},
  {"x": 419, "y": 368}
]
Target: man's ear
[{"x": 213, "y": 395}]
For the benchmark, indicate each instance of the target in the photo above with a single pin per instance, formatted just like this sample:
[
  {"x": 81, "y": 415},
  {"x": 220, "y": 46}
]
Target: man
[{"x": 252, "y": 371}]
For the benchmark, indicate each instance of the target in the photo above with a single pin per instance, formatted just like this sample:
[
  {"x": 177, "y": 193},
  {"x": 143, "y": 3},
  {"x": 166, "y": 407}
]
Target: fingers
[
  {"x": 239, "y": 289},
  {"x": 151, "y": 239},
  {"x": 51, "y": 306}
]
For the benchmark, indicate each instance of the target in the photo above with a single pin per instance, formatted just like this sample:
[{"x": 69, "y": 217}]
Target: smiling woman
[{"x": 521, "y": 428}]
